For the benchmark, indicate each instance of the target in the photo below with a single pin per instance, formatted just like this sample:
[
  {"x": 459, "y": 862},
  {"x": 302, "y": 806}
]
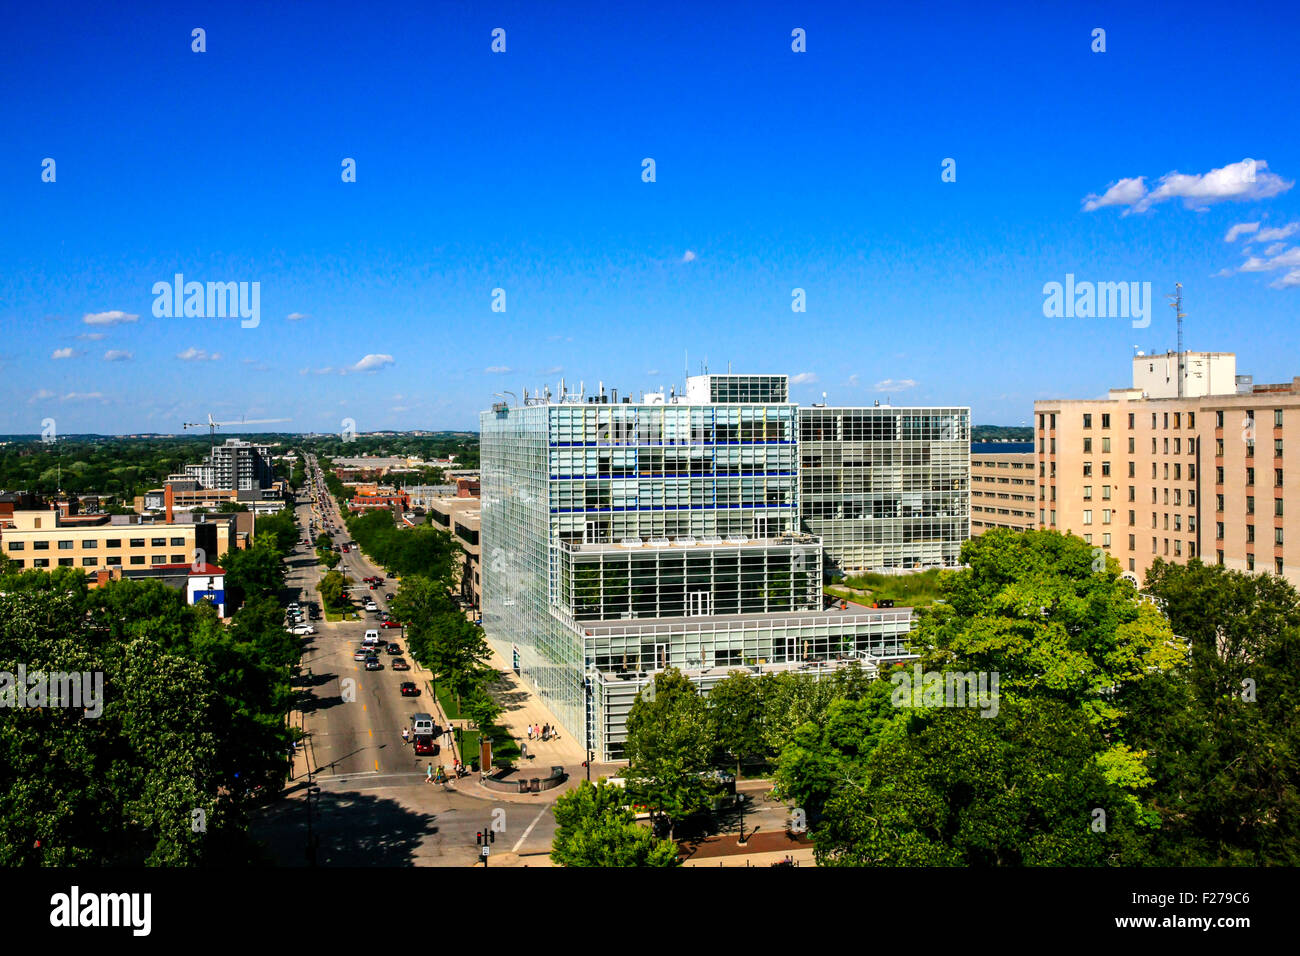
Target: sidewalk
[{"x": 521, "y": 707}]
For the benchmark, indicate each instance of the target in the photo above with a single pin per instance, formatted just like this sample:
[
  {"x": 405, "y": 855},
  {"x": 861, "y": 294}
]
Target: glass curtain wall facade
[
  {"x": 620, "y": 539},
  {"x": 887, "y": 489}
]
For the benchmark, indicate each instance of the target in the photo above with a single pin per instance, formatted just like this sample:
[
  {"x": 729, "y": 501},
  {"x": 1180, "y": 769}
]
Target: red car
[
  {"x": 389, "y": 623},
  {"x": 424, "y": 745}
]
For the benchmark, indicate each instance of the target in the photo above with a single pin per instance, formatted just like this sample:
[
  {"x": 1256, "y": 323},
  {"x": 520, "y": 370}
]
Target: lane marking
[{"x": 516, "y": 847}]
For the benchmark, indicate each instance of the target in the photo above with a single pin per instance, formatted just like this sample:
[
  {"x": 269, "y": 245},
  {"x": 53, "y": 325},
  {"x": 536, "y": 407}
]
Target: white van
[
  {"x": 371, "y": 638},
  {"x": 421, "y": 724}
]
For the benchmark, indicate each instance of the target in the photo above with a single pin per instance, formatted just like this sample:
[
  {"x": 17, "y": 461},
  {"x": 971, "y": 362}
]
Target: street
[{"x": 374, "y": 806}]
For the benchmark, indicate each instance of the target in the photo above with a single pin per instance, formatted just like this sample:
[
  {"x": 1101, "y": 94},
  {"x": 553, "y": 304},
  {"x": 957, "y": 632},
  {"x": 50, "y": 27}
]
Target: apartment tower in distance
[
  {"x": 694, "y": 530},
  {"x": 1193, "y": 461}
]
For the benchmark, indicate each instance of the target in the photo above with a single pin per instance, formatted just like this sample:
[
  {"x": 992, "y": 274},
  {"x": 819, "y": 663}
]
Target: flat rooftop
[
  {"x": 687, "y": 544},
  {"x": 853, "y": 614}
]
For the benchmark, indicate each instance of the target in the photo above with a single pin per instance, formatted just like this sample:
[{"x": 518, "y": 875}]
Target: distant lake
[{"x": 1003, "y": 447}]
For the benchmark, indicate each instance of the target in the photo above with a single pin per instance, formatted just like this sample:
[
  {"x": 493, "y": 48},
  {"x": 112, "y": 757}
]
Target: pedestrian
[
  {"x": 530, "y": 731},
  {"x": 406, "y": 736},
  {"x": 428, "y": 775}
]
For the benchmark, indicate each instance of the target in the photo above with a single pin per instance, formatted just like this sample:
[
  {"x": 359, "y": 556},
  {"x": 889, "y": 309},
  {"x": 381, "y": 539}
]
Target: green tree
[
  {"x": 1223, "y": 732},
  {"x": 333, "y": 590},
  {"x": 735, "y": 711},
  {"x": 668, "y": 747},
  {"x": 596, "y": 829}
]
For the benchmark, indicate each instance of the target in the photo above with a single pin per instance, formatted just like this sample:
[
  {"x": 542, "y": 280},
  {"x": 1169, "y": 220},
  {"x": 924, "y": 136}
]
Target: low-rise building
[
  {"x": 48, "y": 539},
  {"x": 1002, "y": 491}
]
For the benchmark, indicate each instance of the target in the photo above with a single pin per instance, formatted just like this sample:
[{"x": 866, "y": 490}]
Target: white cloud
[
  {"x": 81, "y": 396},
  {"x": 91, "y": 336},
  {"x": 1123, "y": 193},
  {"x": 108, "y": 318},
  {"x": 43, "y": 395},
  {"x": 853, "y": 381},
  {"x": 894, "y": 385},
  {"x": 297, "y": 316},
  {"x": 803, "y": 378},
  {"x": 372, "y": 363},
  {"x": 1289, "y": 281},
  {"x": 653, "y": 371},
  {"x": 553, "y": 370},
  {"x": 1280, "y": 232},
  {"x": 1275, "y": 248},
  {"x": 1240, "y": 229},
  {"x": 62, "y": 353},
  {"x": 193, "y": 354},
  {"x": 498, "y": 369},
  {"x": 117, "y": 355},
  {"x": 1235, "y": 182},
  {"x": 689, "y": 257}
]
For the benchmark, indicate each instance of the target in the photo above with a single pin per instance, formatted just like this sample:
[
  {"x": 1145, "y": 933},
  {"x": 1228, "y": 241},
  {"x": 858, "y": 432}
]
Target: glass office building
[
  {"x": 886, "y": 489},
  {"x": 620, "y": 538}
]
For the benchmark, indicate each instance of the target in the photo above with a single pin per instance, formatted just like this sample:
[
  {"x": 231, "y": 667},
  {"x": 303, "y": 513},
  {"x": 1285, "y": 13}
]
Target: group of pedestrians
[{"x": 543, "y": 732}]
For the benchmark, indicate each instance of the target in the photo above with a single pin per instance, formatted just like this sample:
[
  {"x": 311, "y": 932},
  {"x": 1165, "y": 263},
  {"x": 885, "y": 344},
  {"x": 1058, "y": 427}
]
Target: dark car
[
  {"x": 389, "y": 596},
  {"x": 424, "y": 744},
  {"x": 399, "y": 664},
  {"x": 393, "y": 649},
  {"x": 409, "y": 689},
  {"x": 373, "y": 663}
]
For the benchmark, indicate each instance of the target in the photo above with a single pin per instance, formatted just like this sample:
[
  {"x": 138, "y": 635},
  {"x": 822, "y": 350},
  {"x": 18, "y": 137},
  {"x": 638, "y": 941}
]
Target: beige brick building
[
  {"x": 1193, "y": 461},
  {"x": 1002, "y": 491},
  {"x": 46, "y": 539}
]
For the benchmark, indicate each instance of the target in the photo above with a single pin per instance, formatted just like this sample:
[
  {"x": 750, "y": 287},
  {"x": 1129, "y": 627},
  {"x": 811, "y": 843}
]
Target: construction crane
[{"x": 213, "y": 426}]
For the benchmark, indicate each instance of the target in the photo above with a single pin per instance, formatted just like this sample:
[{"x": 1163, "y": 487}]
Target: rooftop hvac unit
[
  {"x": 685, "y": 541},
  {"x": 630, "y": 542},
  {"x": 737, "y": 539},
  {"x": 711, "y": 539},
  {"x": 659, "y": 542}
]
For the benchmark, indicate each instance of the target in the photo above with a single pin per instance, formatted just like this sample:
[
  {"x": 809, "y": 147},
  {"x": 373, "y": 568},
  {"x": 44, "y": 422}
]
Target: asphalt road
[{"x": 374, "y": 807}]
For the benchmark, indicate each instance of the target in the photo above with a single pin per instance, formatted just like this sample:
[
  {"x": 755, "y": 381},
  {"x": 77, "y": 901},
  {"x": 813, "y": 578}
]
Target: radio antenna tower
[{"x": 1177, "y": 306}]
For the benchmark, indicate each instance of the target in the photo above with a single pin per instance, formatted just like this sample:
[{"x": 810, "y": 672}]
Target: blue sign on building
[{"x": 217, "y": 597}]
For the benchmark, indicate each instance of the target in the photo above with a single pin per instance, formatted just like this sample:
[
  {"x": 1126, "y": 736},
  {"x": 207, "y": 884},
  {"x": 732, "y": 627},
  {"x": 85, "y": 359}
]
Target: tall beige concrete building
[{"x": 1192, "y": 461}]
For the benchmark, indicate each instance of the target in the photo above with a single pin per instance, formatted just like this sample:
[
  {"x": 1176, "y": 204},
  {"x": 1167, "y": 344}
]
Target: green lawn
[
  {"x": 448, "y": 701},
  {"x": 905, "y": 590}
]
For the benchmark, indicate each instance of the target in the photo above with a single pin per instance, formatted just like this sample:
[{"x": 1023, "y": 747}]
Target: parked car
[
  {"x": 409, "y": 689},
  {"x": 393, "y": 648},
  {"x": 390, "y": 623},
  {"x": 373, "y": 663},
  {"x": 361, "y": 653},
  {"x": 302, "y": 629},
  {"x": 399, "y": 664},
  {"x": 389, "y": 596}
]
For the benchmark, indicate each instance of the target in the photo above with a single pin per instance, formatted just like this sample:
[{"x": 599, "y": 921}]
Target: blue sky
[{"x": 775, "y": 170}]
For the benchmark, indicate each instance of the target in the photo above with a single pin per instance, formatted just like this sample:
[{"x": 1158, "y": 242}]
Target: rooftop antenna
[{"x": 1177, "y": 306}]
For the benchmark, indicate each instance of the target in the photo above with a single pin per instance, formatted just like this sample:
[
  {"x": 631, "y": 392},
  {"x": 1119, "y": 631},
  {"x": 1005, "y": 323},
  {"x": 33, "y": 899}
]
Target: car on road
[
  {"x": 389, "y": 596},
  {"x": 393, "y": 648},
  {"x": 373, "y": 663},
  {"x": 399, "y": 664},
  {"x": 424, "y": 744},
  {"x": 361, "y": 653},
  {"x": 390, "y": 623},
  {"x": 372, "y": 607},
  {"x": 409, "y": 689},
  {"x": 302, "y": 629}
]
